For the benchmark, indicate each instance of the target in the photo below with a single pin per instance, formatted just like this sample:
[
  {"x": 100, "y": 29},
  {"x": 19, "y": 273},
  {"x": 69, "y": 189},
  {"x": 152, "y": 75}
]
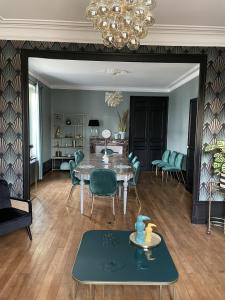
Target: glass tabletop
[
  {"x": 118, "y": 163},
  {"x": 108, "y": 257}
]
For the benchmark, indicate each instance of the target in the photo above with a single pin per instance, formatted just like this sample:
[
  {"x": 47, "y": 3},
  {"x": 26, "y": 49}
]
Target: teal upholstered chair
[
  {"x": 134, "y": 160},
  {"x": 130, "y": 156},
  {"x": 165, "y": 159},
  {"x": 103, "y": 183},
  {"x": 81, "y": 153},
  {"x": 171, "y": 160},
  {"x": 108, "y": 151},
  {"x": 78, "y": 156},
  {"x": 134, "y": 181},
  {"x": 176, "y": 168},
  {"x": 74, "y": 180}
]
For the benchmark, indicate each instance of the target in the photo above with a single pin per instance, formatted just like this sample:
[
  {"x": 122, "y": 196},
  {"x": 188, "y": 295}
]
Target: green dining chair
[
  {"x": 103, "y": 183},
  {"x": 165, "y": 159},
  {"x": 134, "y": 160},
  {"x": 130, "y": 156},
  {"x": 132, "y": 183},
  {"x": 176, "y": 168},
  {"x": 171, "y": 160},
  {"x": 78, "y": 156},
  {"x": 108, "y": 151},
  {"x": 74, "y": 180}
]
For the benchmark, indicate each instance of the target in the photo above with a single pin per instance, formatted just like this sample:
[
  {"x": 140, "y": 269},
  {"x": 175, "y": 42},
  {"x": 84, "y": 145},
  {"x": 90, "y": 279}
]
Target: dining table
[{"x": 116, "y": 162}]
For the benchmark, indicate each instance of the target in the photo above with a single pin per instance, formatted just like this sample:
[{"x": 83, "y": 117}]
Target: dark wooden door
[
  {"x": 191, "y": 144},
  {"x": 148, "y": 128}
]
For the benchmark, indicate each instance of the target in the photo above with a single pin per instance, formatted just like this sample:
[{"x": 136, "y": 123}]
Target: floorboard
[{"x": 41, "y": 269}]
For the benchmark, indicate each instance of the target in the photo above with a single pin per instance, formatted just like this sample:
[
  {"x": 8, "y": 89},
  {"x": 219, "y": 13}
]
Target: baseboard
[
  {"x": 201, "y": 208},
  {"x": 47, "y": 166}
]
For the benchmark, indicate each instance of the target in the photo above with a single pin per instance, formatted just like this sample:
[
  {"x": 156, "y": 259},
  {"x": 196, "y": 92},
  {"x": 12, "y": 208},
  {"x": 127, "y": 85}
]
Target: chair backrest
[
  {"x": 130, "y": 156},
  {"x": 4, "y": 194},
  {"x": 179, "y": 161},
  {"x": 103, "y": 182},
  {"x": 108, "y": 151},
  {"x": 166, "y": 155},
  {"x": 172, "y": 158},
  {"x": 134, "y": 160},
  {"x": 81, "y": 154},
  {"x": 136, "y": 169},
  {"x": 78, "y": 156}
]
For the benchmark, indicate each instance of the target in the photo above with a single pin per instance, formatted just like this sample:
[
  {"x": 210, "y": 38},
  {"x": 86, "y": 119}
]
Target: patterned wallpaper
[{"x": 11, "y": 161}]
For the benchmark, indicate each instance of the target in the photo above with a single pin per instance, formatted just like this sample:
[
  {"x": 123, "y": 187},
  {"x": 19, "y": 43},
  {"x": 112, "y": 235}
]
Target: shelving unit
[{"x": 68, "y": 134}]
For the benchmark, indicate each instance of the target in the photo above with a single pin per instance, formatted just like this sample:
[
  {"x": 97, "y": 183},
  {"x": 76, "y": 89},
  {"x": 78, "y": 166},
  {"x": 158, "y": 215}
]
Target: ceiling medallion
[{"x": 121, "y": 22}]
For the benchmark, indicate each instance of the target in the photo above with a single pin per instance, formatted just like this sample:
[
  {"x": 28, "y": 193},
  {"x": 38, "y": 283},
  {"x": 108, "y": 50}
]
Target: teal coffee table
[{"x": 106, "y": 257}]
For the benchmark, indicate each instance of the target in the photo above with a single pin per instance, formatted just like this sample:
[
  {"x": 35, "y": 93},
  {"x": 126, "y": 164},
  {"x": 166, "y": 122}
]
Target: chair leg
[
  {"x": 182, "y": 176},
  {"x": 156, "y": 171},
  {"x": 162, "y": 175},
  {"x": 92, "y": 204},
  {"x": 70, "y": 194},
  {"x": 138, "y": 200},
  {"x": 29, "y": 232},
  {"x": 167, "y": 176},
  {"x": 178, "y": 178},
  {"x": 113, "y": 203}
]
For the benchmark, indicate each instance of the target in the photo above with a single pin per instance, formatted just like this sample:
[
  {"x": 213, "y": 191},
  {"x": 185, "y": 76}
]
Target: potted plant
[
  {"x": 218, "y": 150},
  {"x": 122, "y": 125}
]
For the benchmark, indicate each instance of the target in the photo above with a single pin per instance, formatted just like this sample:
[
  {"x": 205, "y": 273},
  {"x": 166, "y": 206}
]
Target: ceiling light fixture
[
  {"x": 121, "y": 22},
  {"x": 113, "y": 99}
]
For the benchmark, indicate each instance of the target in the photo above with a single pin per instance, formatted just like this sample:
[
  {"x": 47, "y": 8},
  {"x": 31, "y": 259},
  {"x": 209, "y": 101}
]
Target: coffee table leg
[
  {"x": 82, "y": 195},
  {"x": 174, "y": 292},
  {"x": 125, "y": 184},
  {"x": 160, "y": 292},
  {"x": 92, "y": 291},
  {"x": 76, "y": 285}
]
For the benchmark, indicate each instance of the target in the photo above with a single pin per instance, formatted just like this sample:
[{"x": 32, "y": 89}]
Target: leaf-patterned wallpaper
[{"x": 11, "y": 160}]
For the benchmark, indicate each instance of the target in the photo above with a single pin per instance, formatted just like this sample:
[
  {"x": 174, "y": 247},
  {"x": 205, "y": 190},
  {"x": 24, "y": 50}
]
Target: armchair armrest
[{"x": 28, "y": 201}]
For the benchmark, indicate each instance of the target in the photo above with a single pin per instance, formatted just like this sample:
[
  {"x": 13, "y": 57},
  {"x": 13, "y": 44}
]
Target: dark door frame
[{"x": 200, "y": 59}]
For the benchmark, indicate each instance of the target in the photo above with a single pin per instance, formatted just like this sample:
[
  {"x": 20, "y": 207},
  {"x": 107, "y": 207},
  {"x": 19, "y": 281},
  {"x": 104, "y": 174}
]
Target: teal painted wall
[
  {"x": 93, "y": 104},
  {"x": 178, "y": 115}
]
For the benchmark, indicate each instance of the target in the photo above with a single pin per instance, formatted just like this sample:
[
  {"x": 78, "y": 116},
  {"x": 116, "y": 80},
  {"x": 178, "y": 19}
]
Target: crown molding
[
  {"x": 39, "y": 78},
  {"x": 83, "y": 32},
  {"x": 109, "y": 88},
  {"x": 188, "y": 76}
]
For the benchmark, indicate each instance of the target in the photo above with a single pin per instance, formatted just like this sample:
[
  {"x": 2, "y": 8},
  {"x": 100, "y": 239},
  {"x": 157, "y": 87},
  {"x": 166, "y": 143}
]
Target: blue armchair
[{"x": 11, "y": 218}]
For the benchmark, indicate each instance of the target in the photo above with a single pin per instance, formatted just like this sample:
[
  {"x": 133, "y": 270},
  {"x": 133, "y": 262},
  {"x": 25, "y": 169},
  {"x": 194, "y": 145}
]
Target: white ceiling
[
  {"x": 98, "y": 75},
  {"x": 178, "y": 22},
  {"x": 169, "y": 12}
]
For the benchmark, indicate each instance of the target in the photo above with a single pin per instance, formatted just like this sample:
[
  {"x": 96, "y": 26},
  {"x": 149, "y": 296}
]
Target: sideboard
[{"x": 119, "y": 146}]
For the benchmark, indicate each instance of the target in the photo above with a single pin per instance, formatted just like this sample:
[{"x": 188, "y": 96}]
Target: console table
[
  {"x": 119, "y": 146},
  {"x": 107, "y": 257},
  {"x": 216, "y": 221}
]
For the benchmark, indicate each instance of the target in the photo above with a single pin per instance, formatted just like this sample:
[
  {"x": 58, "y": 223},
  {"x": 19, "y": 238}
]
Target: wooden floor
[{"x": 41, "y": 269}]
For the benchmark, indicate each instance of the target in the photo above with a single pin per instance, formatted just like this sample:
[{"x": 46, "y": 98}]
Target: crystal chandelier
[
  {"x": 113, "y": 98},
  {"x": 121, "y": 22}
]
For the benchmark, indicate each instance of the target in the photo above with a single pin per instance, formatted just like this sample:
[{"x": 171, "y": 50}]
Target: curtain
[{"x": 34, "y": 125}]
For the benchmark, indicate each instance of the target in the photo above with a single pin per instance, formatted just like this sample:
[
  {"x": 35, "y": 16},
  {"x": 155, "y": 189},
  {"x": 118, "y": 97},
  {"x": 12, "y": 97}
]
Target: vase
[
  {"x": 222, "y": 180},
  {"x": 122, "y": 135},
  {"x": 116, "y": 136}
]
